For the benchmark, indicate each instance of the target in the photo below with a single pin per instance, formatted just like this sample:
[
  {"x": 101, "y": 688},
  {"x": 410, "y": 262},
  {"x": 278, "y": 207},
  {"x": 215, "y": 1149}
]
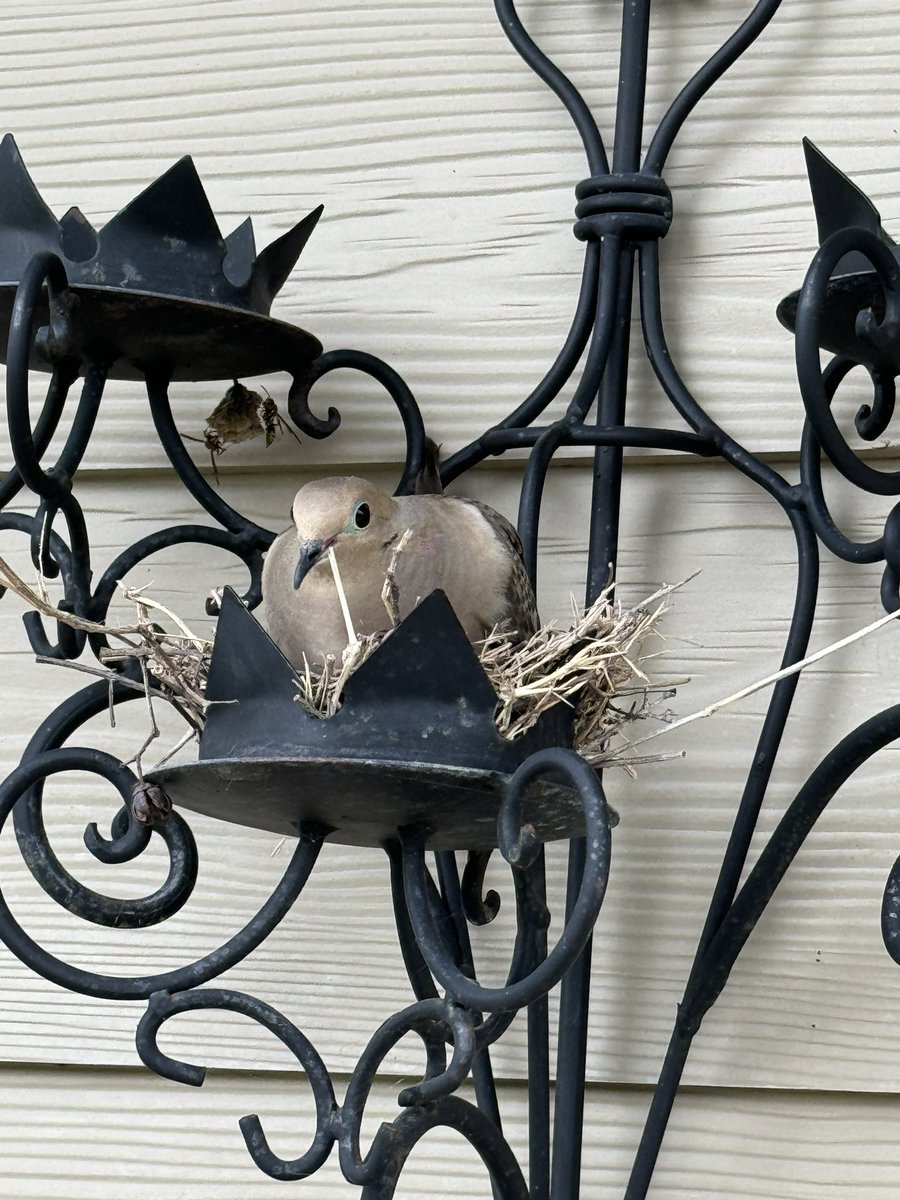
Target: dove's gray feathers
[{"x": 459, "y": 545}]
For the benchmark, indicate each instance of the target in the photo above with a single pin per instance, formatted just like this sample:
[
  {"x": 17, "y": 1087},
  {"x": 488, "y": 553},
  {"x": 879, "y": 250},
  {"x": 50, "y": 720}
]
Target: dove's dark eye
[{"x": 361, "y": 516}]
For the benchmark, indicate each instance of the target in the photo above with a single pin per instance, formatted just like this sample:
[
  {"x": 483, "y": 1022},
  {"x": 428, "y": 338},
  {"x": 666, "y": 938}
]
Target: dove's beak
[{"x": 310, "y": 553}]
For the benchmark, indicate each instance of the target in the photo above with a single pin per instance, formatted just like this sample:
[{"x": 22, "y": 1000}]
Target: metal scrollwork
[{"x": 623, "y": 208}]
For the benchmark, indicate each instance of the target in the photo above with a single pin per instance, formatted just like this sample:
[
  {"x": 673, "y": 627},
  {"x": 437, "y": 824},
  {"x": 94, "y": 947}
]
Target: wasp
[{"x": 240, "y": 416}]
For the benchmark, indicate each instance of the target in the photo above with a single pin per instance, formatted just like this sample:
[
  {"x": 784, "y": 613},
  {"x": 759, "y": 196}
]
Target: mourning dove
[{"x": 459, "y": 545}]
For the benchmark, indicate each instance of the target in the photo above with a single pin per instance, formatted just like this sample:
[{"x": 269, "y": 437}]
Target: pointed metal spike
[
  {"x": 22, "y": 209},
  {"x": 428, "y": 656},
  {"x": 167, "y": 238},
  {"x": 78, "y": 236},
  {"x": 249, "y": 669},
  {"x": 838, "y": 202},
  {"x": 240, "y": 251},
  {"x": 277, "y": 261},
  {"x": 174, "y": 206}
]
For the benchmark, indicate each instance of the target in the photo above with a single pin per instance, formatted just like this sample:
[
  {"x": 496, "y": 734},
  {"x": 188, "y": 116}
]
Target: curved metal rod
[
  {"x": 54, "y": 404},
  {"x": 735, "y": 857},
  {"x": 416, "y": 969},
  {"x": 43, "y": 269},
  {"x": 660, "y": 359},
  {"x": 533, "y": 480},
  {"x": 890, "y": 913},
  {"x": 711, "y": 71},
  {"x": 31, "y": 834},
  {"x": 162, "y": 1006},
  {"x": 552, "y": 383},
  {"x": 873, "y": 419},
  {"x": 66, "y": 466},
  {"x": 93, "y": 906},
  {"x": 433, "y": 1021},
  {"x": 558, "y": 83},
  {"x": 636, "y": 437},
  {"x": 428, "y": 1019},
  {"x": 605, "y": 322},
  {"x": 810, "y": 307},
  {"x": 779, "y": 852},
  {"x": 519, "y": 846},
  {"x": 452, "y": 900},
  {"x": 480, "y": 906},
  {"x": 112, "y": 987},
  {"x": 396, "y": 388},
  {"x": 163, "y": 539},
  {"x": 69, "y": 639},
  {"x": 394, "y": 1143},
  {"x": 811, "y": 482},
  {"x": 187, "y": 471}
]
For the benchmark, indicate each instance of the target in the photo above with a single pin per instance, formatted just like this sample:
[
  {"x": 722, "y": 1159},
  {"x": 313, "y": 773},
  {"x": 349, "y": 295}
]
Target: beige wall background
[{"x": 447, "y": 172}]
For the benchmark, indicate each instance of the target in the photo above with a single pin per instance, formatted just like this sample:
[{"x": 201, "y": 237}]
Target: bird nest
[{"x": 596, "y": 666}]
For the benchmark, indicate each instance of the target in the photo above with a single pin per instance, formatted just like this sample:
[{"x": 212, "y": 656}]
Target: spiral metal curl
[
  {"x": 623, "y": 209},
  {"x": 814, "y": 387},
  {"x": 162, "y": 1006},
  {"x": 519, "y": 847}
]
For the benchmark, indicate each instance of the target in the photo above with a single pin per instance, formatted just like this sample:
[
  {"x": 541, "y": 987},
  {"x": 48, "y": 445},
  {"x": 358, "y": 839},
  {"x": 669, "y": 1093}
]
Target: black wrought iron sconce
[{"x": 158, "y": 294}]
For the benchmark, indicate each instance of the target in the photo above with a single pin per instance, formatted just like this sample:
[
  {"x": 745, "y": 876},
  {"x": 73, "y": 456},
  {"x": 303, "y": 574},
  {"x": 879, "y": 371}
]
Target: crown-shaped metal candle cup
[
  {"x": 854, "y": 285},
  {"x": 159, "y": 289},
  {"x": 414, "y": 742}
]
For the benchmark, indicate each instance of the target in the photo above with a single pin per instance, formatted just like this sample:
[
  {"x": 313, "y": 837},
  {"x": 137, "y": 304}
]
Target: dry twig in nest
[{"x": 174, "y": 664}]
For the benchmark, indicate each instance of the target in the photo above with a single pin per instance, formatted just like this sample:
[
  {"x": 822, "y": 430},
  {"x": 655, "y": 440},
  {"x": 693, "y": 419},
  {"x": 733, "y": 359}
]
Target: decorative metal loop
[
  {"x": 70, "y": 641},
  {"x": 34, "y": 845},
  {"x": 162, "y": 1006},
  {"x": 811, "y": 475},
  {"x": 140, "y": 987},
  {"x": 60, "y": 382},
  {"x": 633, "y": 205},
  {"x": 479, "y": 906},
  {"x": 559, "y": 84},
  {"x": 298, "y": 405},
  {"x": 394, "y": 1143},
  {"x": 430, "y": 1020},
  {"x": 872, "y": 420},
  {"x": 518, "y": 845},
  {"x": 172, "y": 444},
  {"x": 703, "y": 80},
  {"x": 810, "y": 309},
  {"x": 103, "y": 910},
  {"x": 43, "y": 270},
  {"x": 393, "y": 384},
  {"x": 779, "y": 852}
]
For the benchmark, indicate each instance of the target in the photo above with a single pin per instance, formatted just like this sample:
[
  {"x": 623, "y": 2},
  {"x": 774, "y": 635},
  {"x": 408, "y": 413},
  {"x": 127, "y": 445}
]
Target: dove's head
[{"x": 350, "y": 514}]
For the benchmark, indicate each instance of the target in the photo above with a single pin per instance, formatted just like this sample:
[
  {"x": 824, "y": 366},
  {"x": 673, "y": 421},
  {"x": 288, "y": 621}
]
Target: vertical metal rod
[
  {"x": 482, "y": 1072},
  {"x": 632, "y": 85},
  {"x": 571, "y": 1054},
  {"x": 605, "y": 500},
  {"x": 419, "y": 976},
  {"x": 539, "y": 1062},
  {"x": 602, "y": 555}
]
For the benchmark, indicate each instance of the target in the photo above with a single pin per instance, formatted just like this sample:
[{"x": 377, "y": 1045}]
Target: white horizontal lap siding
[
  {"x": 812, "y": 998},
  {"x": 125, "y": 1135},
  {"x": 447, "y": 170},
  {"x": 447, "y": 174}
]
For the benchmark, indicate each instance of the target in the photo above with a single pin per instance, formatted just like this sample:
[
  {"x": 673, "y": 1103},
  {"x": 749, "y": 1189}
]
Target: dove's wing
[{"x": 522, "y": 613}]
